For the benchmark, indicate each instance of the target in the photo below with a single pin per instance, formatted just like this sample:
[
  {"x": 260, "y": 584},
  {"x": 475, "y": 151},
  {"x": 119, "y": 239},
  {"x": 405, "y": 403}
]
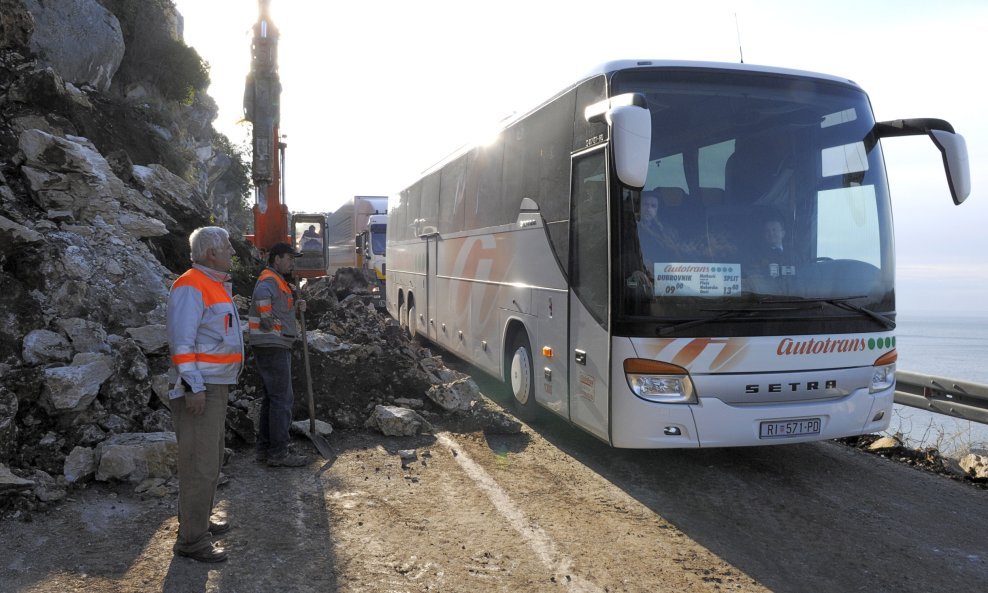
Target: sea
[{"x": 945, "y": 345}]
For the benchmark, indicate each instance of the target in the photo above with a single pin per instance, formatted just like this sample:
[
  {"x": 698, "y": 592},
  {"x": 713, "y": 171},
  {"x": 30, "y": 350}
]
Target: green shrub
[
  {"x": 153, "y": 54},
  {"x": 236, "y": 180}
]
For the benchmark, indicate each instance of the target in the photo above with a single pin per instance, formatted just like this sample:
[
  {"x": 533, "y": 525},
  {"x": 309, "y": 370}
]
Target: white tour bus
[{"x": 538, "y": 257}]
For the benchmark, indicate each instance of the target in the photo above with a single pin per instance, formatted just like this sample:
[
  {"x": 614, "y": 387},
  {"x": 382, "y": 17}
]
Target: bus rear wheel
[
  {"x": 412, "y": 332},
  {"x": 521, "y": 377},
  {"x": 403, "y": 317}
]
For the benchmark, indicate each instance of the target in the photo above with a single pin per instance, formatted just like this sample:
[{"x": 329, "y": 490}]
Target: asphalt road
[{"x": 818, "y": 517}]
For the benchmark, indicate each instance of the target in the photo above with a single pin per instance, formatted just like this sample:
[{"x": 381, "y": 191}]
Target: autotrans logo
[{"x": 791, "y": 347}]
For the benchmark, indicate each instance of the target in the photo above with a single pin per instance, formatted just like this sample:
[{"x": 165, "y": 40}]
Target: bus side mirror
[
  {"x": 631, "y": 139},
  {"x": 953, "y": 148}
]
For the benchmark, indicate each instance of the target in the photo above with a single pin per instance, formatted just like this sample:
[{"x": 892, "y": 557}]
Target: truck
[{"x": 356, "y": 236}]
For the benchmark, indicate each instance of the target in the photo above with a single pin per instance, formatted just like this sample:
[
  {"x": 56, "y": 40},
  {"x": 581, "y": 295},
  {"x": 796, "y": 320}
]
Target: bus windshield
[
  {"x": 378, "y": 238},
  {"x": 765, "y": 197}
]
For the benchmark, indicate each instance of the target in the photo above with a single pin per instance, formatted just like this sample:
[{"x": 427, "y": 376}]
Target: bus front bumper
[{"x": 640, "y": 424}]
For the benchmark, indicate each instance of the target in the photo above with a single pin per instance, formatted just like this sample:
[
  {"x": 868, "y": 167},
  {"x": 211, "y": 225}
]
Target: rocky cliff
[{"x": 104, "y": 171}]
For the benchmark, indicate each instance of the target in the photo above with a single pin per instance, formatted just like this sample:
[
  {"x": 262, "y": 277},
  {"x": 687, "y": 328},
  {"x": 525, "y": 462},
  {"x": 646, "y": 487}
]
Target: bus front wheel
[{"x": 521, "y": 378}]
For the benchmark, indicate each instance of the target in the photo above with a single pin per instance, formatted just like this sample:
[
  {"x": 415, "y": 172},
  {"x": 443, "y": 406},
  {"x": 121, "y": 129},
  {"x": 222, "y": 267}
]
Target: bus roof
[
  {"x": 612, "y": 66},
  {"x": 615, "y": 65}
]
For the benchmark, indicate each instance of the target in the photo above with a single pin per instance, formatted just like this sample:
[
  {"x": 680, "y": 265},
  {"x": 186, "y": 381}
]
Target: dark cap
[{"x": 281, "y": 249}]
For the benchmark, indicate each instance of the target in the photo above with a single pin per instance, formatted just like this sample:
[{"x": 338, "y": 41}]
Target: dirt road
[{"x": 546, "y": 510}]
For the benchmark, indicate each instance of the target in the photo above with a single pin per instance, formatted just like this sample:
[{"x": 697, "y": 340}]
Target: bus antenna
[{"x": 737, "y": 29}]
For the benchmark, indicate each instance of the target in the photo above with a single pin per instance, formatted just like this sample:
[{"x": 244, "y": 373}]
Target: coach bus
[{"x": 607, "y": 255}]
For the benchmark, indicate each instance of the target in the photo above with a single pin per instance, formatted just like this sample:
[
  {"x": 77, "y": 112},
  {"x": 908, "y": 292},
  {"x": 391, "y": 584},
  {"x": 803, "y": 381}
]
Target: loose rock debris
[{"x": 366, "y": 373}]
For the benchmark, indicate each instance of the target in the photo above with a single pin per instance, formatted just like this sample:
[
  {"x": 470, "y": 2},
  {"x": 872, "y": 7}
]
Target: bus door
[
  {"x": 431, "y": 310},
  {"x": 589, "y": 338}
]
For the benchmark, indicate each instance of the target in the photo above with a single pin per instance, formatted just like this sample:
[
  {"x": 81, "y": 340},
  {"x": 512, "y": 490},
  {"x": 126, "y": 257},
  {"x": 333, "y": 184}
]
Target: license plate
[{"x": 782, "y": 429}]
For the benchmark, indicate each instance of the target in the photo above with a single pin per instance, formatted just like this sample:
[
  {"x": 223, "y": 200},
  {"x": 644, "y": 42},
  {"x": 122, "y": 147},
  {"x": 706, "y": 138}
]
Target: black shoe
[
  {"x": 210, "y": 554},
  {"x": 218, "y": 527},
  {"x": 288, "y": 460},
  {"x": 260, "y": 457}
]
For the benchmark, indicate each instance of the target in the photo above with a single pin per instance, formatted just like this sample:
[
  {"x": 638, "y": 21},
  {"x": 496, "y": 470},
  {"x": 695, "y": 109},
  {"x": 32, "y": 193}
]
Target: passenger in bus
[{"x": 658, "y": 242}]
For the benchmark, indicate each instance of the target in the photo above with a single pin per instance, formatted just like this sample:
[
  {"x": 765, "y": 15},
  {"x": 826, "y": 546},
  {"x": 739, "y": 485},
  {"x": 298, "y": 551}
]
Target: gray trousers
[{"x": 201, "y": 441}]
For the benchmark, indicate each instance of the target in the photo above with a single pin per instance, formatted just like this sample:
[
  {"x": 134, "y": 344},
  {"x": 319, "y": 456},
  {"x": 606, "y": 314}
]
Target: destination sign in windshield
[{"x": 696, "y": 279}]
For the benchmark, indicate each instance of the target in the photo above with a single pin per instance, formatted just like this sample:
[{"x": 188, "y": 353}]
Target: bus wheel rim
[{"x": 520, "y": 374}]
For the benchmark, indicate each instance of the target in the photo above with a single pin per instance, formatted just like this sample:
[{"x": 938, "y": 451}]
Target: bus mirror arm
[{"x": 952, "y": 148}]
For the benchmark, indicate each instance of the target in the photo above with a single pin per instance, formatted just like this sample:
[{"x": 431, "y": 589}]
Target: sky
[{"x": 374, "y": 93}]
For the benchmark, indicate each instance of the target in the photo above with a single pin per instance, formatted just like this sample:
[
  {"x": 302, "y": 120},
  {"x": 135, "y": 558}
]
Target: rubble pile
[{"x": 361, "y": 361}]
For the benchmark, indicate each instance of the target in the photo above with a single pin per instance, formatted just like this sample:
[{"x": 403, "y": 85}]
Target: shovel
[{"x": 317, "y": 439}]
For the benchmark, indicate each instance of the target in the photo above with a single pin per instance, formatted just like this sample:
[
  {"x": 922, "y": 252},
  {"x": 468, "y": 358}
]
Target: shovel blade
[{"x": 322, "y": 446}]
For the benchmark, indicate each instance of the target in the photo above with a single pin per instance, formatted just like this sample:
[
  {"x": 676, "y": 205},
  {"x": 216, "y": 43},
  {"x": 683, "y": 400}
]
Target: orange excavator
[{"x": 262, "y": 107}]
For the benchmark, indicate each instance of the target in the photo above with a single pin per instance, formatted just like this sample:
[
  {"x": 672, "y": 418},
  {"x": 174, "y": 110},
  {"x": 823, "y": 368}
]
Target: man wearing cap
[{"x": 273, "y": 330}]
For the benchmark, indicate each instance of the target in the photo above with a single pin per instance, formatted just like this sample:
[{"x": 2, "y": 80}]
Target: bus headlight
[
  {"x": 657, "y": 381},
  {"x": 883, "y": 373}
]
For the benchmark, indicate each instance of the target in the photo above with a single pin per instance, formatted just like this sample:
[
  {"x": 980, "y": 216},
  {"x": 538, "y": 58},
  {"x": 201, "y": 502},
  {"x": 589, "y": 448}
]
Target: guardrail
[{"x": 960, "y": 399}]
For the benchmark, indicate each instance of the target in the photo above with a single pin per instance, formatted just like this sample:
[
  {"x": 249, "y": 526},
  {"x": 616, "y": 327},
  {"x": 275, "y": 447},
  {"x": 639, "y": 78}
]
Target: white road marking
[{"x": 543, "y": 545}]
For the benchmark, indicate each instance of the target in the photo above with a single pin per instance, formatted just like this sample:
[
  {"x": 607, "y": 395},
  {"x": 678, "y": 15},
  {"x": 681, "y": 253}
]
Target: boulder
[
  {"x": 323, "y": 342},
  {"x": 43, "y": 346},
  {"x": 886, "y": 442},
  {"x": 151, "y": 338},
  {"x": 135, "y": 457},
  {"x": 88, "y": 435},
  {"x": 73, "y": 388},
  {"x": 456, "y": 396},
  {"x": 172, "y": 192},
  {"x": 301, "y": 428},
  {"x": 46, "y": 488},
  {"x": 141, "y": 226},
  {"x": 68, "y": 173},
  {"x": 395, "y": 421},
  {"x": 78, "y": 38},
  {"x": 80, "y": 465},
  {"x": 11, "y": 483},
  {"x": 975, "y": 464},
  {"x": 85, "y": 335},
  {"x": 14, "y": 236}
]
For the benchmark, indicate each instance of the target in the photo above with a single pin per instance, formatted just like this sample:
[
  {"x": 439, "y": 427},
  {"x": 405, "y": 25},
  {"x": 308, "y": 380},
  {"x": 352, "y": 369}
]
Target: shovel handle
[{"x": 308, "y": 374}]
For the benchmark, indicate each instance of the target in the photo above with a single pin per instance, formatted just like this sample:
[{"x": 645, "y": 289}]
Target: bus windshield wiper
[
  {"x": 723, "y": 315},
  {"x": 844, "y": 303}
]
